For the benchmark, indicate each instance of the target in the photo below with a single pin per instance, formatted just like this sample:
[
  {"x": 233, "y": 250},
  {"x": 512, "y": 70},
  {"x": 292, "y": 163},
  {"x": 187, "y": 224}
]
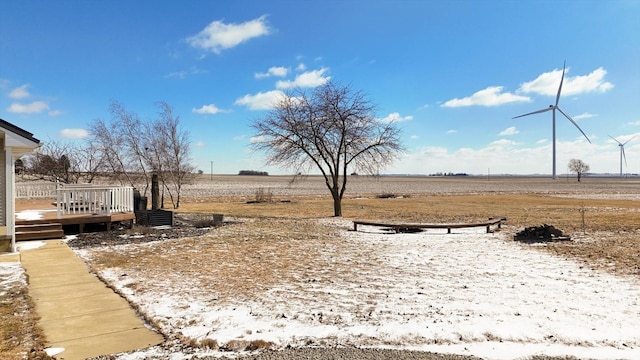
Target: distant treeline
[
  {"x": 449, "y": 174},
  {"x": 253, "y": 172}
]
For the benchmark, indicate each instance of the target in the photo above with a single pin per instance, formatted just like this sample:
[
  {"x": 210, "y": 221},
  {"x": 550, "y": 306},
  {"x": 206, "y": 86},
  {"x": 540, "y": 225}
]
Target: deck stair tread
[{"x": 39, "y": 231}]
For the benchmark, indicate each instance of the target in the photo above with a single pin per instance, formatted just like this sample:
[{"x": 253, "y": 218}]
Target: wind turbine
[
  {"x": 622, "y": 154},
  {"x": 553, "y": 109}
]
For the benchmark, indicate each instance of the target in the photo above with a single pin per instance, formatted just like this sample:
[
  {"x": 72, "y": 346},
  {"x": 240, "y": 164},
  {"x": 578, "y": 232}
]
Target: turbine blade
[
  {"x": 616, "y": 140},
  {"x": 535, "y": 112},
  {"x": 561, "y": 80},
  {"x": 624, "y": 156},
  {"x": 625, "y": 143},
  {"x": 574, "y": 123}
]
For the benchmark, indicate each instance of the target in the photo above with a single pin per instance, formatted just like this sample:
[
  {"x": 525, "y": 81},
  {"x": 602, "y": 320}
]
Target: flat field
[
  {"x": 285, "y": 273},
  {"x": 602, "y": 214}
]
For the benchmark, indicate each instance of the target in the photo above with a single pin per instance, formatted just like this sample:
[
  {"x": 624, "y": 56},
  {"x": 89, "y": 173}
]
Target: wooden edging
[{"x": 397, "y": 227}]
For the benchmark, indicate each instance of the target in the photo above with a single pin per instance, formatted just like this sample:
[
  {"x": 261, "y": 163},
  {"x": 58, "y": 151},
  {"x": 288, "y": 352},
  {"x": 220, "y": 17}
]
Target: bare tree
[
  {"x": 579, "y": 167},
  {"x": 170, "y": 143},
  {"x": 134, "y": 150},
  {"x": 66, "y": 162},
  {"x": 121, "y": 143},
  {"x": 331, "y": 129},
  {"x": 89, "y": 161},
  {"x": 55, "y": 161},
  {"x": 111, "y": 144}
]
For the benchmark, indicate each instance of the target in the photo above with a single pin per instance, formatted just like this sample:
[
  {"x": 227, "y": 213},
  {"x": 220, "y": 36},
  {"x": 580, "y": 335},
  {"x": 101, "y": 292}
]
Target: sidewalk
[{"x": 77, "y": 311}]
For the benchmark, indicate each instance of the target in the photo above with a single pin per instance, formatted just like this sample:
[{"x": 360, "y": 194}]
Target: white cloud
[
  {"x": 20, "y": 92},
  {"x": 307, "y": 79},
  {"x": 501, "y": 144},
  {"x": 584, "y": 116},
  {"x": 491, "y": 96},
  {"x": 184, "y": 73},
  {"x": 547, "y": 83},
  {"x": 509, "y": 131},
  {"x": 261, "y": 101},
  {"x": 31, "y": 108},
  {"x": 623, "y": 138},
  {"x": 74, "y": 133},
  {"x": 451, "y": 131},
  {"x": 55, "y": 113},
  {"x": 256, "y": 139},
  {"x": 414, "y": 137},
  {"x": 301, "y": 67},
  {"x": 208, "y": 109},
  {"x": 505, "y": 156},
  {"x": 218, "y": 36},
  {"x": 635, "y": 123},
  {"x": 395, "y": 117},
  {"x": 199, "y": 144},
  {"x": 279, "y": 71}
]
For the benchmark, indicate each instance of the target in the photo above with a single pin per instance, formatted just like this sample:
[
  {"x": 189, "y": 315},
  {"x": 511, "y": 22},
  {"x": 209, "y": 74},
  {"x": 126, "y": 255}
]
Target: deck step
[{"x": 39, "y": 231}]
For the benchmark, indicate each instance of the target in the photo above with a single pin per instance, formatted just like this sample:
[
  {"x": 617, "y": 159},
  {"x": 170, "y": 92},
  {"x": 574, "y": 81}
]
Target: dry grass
[
  {"x": 605, "y": 230},
  {"x": 235, "y": 261},
  {"x": 20, "y": 336},
  {"x": 239, "y": 260}
]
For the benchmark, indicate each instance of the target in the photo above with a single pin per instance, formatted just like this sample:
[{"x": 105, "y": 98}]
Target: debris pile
[{"x": 544, "y": 233}]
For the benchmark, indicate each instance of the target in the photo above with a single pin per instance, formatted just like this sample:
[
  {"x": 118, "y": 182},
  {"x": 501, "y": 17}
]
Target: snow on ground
[
  {"x": 32, "y": 214},
  {"x": 11, "y": 276},
  {"x": 29, "y": 245},
  {"x": 468, "y": 293}
]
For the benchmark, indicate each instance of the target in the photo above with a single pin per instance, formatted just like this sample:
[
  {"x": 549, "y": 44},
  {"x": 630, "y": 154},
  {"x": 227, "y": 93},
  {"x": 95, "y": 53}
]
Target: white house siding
[{"x": 3, "y": 189}]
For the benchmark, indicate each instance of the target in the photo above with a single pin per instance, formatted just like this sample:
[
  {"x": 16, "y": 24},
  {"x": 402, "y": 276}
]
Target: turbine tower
[
  {"x": 553, "y": 109},
  {"x": 622, "y": 154}
]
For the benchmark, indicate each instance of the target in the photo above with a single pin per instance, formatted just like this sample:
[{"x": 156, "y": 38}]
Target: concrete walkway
[{"x": 78, "y": 312}]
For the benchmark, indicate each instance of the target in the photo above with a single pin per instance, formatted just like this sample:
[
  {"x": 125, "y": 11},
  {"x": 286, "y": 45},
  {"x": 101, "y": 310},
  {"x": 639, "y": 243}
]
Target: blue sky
[{"x": 453, "y": 74}]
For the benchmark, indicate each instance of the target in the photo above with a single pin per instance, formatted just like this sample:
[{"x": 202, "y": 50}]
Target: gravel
[{"x": 352, "y": 353}]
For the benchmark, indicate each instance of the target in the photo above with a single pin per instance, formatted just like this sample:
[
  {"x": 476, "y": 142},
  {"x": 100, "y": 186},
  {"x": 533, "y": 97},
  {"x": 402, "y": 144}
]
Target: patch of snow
[
  {"x": 11, "y": 275},
  {"x": 29, "y": 245},
  {"x": 466, "y": 293},
  {"x": 31, "y": 214},
  {"x": 68, "y": 238},
  {"x": 53, "y": 351},
  {"x": 162, "y": 227}
]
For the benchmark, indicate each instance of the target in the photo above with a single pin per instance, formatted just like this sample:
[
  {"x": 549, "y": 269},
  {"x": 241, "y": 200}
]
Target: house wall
[
  {"x": 3, "y": 190},
  {"x": 5, "y": 238}
]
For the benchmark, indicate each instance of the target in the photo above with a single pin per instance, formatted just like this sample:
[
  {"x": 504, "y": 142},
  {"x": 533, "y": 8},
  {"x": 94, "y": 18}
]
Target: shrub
[
  {"x": 209, "y": 344},
  {"x": 205, "y": 221},
  {"x": 263, "y": 195},
  {"x": 244, "y": 345}
]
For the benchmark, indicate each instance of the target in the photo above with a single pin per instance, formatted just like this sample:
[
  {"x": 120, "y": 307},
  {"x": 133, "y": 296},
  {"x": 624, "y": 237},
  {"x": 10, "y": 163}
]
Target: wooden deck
[{"x": 44, "y": 223}]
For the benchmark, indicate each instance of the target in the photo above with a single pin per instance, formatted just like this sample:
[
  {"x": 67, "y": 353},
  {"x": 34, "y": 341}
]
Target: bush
[
  {"x": 263, "y": 196},
  {"x": 206, "y": 221}
]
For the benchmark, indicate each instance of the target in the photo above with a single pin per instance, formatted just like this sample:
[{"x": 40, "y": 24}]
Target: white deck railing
[
  {"x": 27, "y": 190},
  {"x": 87, "y": 199}
]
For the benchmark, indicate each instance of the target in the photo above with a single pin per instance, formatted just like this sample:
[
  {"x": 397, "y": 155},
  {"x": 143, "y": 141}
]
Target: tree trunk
[
  {"x": 337, "y": 205},
  {"x": 155, "y": 192}
]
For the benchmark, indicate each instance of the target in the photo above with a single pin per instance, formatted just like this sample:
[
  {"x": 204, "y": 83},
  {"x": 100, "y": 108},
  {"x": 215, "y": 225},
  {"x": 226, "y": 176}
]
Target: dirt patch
[{"x": 185, "y": 225}]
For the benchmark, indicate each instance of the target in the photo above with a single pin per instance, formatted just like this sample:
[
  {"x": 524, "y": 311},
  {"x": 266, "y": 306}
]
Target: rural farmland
[{"x": 284, "y": 274}]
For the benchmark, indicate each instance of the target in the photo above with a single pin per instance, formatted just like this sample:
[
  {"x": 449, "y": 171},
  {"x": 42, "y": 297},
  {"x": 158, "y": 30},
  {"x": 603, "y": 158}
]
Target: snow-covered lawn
[{"x": 467, "y": 293}]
